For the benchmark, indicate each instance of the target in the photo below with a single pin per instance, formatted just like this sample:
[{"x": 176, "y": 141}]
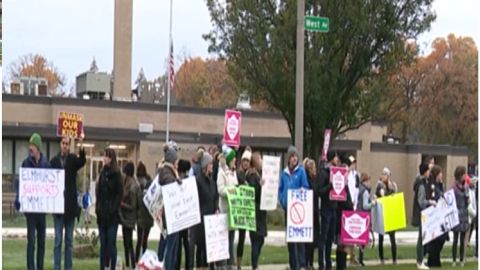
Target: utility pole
[{"x": 299, "y": 79}]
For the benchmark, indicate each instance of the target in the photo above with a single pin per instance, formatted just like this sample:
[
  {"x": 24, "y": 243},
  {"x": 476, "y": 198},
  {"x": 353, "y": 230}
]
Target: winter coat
[
  {"x": 227, "y": 179},
  {"x": 295, "y": 180},
  {"x": 30, "y": 162},
  {"x": 109, "y": 195},
  {"x": 364, "y": 203},
  {"x": 253, "y": 178},
  {"x": 144, "y": 218},
  {"x": 207, "y": 194},
  {"x": 314, "y": 184},
  {"x": 242, "y": 177},
  {"x": 71, "y": 163},
  {"x": 420, "y": 201},
  {"x": 388, "y": 189},
  {"x": 167, "y": 174},
  {"x": 129, "y": 206},
  {"x": 324, "y": 189},
  {"x": 461, "y": 197}
]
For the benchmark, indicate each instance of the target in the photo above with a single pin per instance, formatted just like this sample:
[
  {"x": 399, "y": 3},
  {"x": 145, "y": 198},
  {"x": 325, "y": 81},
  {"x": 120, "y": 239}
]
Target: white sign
[
  {"x": 182, "y": 209},
  {"x": 216, "y": 237},
  {"x": 153, "y": 200},
  {"x": 300, "y": 216},
  {"x": 271, "y": 176},
  {"x": 437, "y": 220},
  {"x": 145, "y": 128},
  {"x": 41, "y": 190}
]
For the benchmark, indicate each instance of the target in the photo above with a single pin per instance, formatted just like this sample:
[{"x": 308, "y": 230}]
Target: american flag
[{"x": 172, "y": 68}]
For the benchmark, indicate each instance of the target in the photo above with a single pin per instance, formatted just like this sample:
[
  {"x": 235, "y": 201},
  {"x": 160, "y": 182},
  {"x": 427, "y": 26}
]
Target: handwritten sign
[
  {"x": 271, "y": 176},
  {"x": 216, "y": 237},
  {"x": 231, "y": 130},
  {"x": 182, "y": 209},
  {"x": 300, "y": 216},
  {"x": 355, "y": 228},
  {"x": 326, "y": 143},
  {"x": 70, "y": 125},
  {"x": 41, "y": 190},
  {"x": 153, "y": 200},
  {"x": 338, "y": 178},
  {"x": 389, "y": 214},
  {"x": 440, "y": 219},
  {"x": 241, "y": 208}
]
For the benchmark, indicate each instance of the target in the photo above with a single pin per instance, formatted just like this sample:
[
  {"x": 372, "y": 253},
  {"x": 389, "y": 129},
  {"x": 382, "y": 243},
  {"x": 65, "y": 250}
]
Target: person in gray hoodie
[{"x": 462, "y": 199}]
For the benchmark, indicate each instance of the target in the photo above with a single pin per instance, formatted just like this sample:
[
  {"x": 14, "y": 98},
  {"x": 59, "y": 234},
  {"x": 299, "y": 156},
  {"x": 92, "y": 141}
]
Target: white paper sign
[
  {"x": 271, "y": 176},
  {"x": 153, "y": 200},
  {"x": 182, "y": 209},
  {"x": 41, "y": 190},
  {"x": 216, "y": 237},
  {"x": 439, "y": 219},
  {"x": 300, "y": 216}
]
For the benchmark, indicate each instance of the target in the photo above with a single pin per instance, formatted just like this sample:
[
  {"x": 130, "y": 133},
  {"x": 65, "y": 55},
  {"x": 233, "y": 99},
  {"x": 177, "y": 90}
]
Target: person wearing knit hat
[
  {"x": 36, "y": 222},
  {"x": 183, "y": 168},
  {"x": 226, "y": 182},
  {"x": 293, "y": 177},
  {"x": 242, "y": 180}
]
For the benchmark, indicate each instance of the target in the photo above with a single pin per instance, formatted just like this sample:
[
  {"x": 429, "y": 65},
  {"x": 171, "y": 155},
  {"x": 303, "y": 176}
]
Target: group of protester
[{"x": 119, "y": 201}]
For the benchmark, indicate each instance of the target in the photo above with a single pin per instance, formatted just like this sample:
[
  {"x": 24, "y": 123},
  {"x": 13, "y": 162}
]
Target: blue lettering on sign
[
  {"x": 299, "y": 195},
  {"x": 304, "y": 232}
]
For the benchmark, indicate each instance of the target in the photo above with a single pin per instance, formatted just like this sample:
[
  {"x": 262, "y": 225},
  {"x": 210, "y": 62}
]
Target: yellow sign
[{"x": 394, "y": 217}]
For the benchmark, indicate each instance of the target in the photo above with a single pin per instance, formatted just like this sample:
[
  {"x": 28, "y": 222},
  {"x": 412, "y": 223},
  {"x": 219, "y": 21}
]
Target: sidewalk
[{"x": 274, "y": 238}]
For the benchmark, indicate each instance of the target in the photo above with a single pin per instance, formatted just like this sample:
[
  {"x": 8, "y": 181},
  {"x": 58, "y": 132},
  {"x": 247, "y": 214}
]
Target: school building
[{"x": 137, "y": 132}]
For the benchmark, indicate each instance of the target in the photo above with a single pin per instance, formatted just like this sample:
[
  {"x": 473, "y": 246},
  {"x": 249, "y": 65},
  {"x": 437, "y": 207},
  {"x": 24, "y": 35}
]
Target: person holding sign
[
  {"x": 226, "y": 183},
  {"x": 257, "y": 238},
  {"x": 144, "y": 219},
  {"x": 364, "y": 203},
  {"x": 327, "y": 213},
  {"x": 109, "y": 195},
  {"x": 293, "y": 177},
  {"x": 241, "y": 175},
  {"x": 184, "y": 235},
  {"x": 462, "y": 199},
  {"x": 71, "y": 163},
  {"x": 36, "y": 224},
  {"x": 312, "y": 177},
  {"x": 385, "y": 187},
  {"x": 208, "y": 199}
]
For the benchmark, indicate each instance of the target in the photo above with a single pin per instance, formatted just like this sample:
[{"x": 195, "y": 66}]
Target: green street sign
[{"x": 317, "y": 24}]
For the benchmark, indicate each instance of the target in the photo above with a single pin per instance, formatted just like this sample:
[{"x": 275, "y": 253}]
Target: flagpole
[{"x": 169, "y": 75}]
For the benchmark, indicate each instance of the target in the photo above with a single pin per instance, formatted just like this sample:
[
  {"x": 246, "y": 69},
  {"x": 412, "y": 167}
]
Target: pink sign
[
  {"x": 355, "y": 228},
  {"x": 338, "y": 178},
  {"x": 231, "y": 132},
  {"x": 326, "y": 143}
]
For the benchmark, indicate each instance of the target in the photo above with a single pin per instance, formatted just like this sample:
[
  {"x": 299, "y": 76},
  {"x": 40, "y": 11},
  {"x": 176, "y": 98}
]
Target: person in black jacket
[
  {"x": 208, "y": 200},
  {"x": 341, "y": 251},
  {"x": 144, "y": 219},
  {"x": 254, "y": 179},
  {"x": 71, "y": 163},
  {"x": 241, "y": 176},
  {"x": 312, "y": 177},
  {"x": 184, "y": 235},
  {"x": 327, "y": 213},
  {"x": 109, "y": 195}
]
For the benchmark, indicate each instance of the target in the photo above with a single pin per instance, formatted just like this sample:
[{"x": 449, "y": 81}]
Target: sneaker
[
  {"x": 422, "y": 266},
  {"x": 454, "y": 264}
]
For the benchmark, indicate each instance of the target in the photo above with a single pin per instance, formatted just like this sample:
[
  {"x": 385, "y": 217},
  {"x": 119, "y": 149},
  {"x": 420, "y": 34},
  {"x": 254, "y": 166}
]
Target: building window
[{"x": 7, "y": 156}]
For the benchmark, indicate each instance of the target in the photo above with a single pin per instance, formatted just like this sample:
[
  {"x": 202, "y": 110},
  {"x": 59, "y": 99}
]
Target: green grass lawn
[{"x": 14, "y": 252}]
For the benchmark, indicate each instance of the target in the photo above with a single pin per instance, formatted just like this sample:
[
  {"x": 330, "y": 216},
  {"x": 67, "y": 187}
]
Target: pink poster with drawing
[
  {"x": 231, "y": 131},
  {"x": 355, "y": 228},
  {"x": 338, "y": 178}
]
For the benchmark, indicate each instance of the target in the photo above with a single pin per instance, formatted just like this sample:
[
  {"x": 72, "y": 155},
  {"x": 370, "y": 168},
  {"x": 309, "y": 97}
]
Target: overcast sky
[{"x": 71, "y": 32}]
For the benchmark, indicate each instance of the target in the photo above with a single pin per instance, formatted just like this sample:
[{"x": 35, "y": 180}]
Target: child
[{"x": 364, "y": 203}]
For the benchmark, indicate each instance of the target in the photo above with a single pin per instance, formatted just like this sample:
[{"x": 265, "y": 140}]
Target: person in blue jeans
[
  {"x": 71, "y": 163},
  {"x": 293, "y": 177},
  {"x": 109, "y": 194},
  {"x": 36, "y": 224}
]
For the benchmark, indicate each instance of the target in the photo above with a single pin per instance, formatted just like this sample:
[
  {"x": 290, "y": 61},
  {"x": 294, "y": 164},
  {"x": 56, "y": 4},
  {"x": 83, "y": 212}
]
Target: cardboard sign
[
  {"x": 41, "y": 190},
  {"x": 326, "y": 143},
  {"x": 231, "y": 130},
  {"x": 355, "y": 228},
  {"x": 389, "y": 214},
  {"x": 182, "y": 209},
  {"x": 300, "y": 216},
  {"x": 153, "y": 200},
  {"x": 70, "y": 125},
  {"x": 338, "y": 178},
  {"x": 216, "y": 237},
  {"x": 271, "y": 176},
  {"x": 440, "y": 219},
  {"x": 241, "y": 208}
]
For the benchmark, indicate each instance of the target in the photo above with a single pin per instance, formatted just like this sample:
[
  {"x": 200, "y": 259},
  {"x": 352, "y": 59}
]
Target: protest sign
[
  {"x": 300, "y": 216},
  {"x": 355, "y": 228},
  {"x": 271, "y": 176},
  {"x": 153, "y": 200},
  {"x": 440, "y": 219},
  {"x": 41, "y": 190},
  {"x": 241, "y": 208},
  {"x": 231, "y": 130},
  {"x": 182, "y": 209},
  {"x": 70, "y": 125},
  {"x": 216, "y": 237},
  {"x": 389, "y": 214},
  {"x": 338, "y": 178},
  {"x": 326, "y": 143}
]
